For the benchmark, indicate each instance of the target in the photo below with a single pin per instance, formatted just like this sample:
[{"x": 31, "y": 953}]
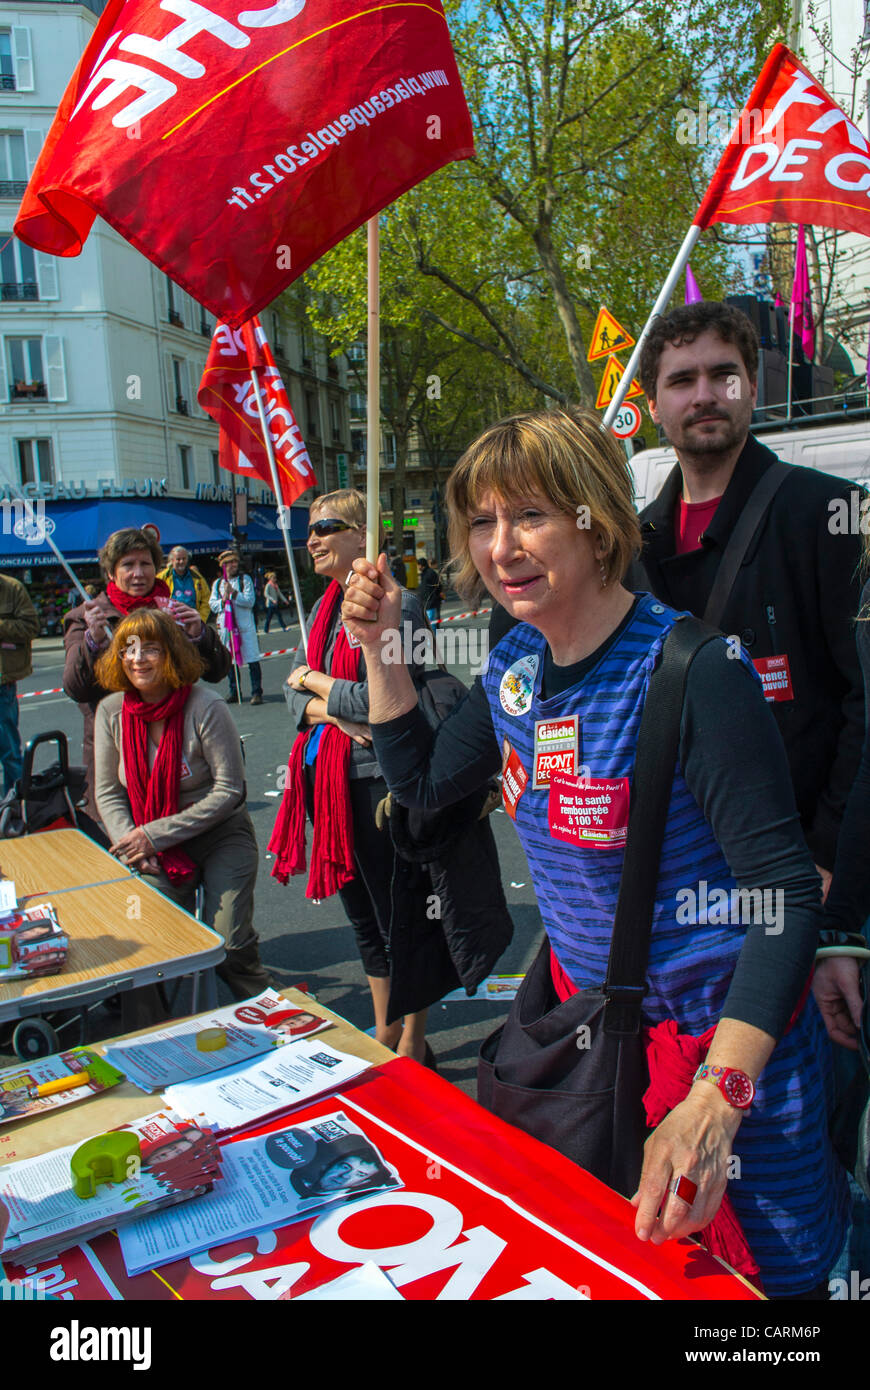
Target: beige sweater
[{"x": 212, "y": 782}]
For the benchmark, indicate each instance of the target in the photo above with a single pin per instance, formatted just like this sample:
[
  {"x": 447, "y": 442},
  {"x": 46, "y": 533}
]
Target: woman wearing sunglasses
[{"x": 333, "y": 773}]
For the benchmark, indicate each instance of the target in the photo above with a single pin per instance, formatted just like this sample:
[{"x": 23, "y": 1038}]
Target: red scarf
[
  {"x": 127, "y": 603},
  {"x": 332, "y": 863},
  {"x": 153, "y": 792}
]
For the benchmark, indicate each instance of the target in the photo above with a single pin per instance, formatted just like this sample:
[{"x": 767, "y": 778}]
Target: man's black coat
[{"x": 797, "y": 592}]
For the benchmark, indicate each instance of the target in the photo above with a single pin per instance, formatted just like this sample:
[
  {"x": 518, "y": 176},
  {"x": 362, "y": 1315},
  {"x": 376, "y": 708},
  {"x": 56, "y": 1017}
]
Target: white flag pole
[
  {"x": 283, "y": 511},
  {"x": 373, "y": 396},
  {"x": 665, "y": 293}
]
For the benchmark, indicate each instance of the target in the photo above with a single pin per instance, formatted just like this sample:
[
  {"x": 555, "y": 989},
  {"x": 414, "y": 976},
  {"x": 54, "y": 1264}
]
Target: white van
[{"x": 842, "y": 449}]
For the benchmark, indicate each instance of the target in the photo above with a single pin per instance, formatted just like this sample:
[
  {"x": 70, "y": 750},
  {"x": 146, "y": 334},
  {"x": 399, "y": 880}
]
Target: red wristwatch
[{"x": 736, "y": 1086}]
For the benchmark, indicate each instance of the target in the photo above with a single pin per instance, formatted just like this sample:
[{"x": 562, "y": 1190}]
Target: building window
[
  {"x": 311, "y": 415},
  {"x": 13, "y": 164},
  {"x": 173, "y": 306},
  {"x": 181, "y": 383},
  {"x": 7, "y": 67},
  {"x": 17, "y": 269},
  {"x": 27, "y": 377},
  {"x": 184, "y": 452},
  {"x": 307, "y": 344},
  {"x": 35, "y": 462},
  {"x": 215, "y": 467},
  {"x": 335, "y": 419}
]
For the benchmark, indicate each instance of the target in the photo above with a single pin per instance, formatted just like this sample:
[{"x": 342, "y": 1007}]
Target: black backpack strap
[
  {"x": 658, "y": 746},
  {"x": 741, "y": 538}
]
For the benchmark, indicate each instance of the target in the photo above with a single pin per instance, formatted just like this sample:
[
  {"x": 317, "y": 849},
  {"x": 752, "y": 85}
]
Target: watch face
[{"x": 738, "y": 1089}]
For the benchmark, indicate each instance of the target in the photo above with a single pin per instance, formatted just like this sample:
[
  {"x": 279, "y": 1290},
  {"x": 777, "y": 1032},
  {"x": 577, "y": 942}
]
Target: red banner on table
[
  {"x": 227, "y": 393},
  {"x": 794, "y": 156},
  {"x": 485, "y": 1213},
  {"x": 234, "y": 144}
]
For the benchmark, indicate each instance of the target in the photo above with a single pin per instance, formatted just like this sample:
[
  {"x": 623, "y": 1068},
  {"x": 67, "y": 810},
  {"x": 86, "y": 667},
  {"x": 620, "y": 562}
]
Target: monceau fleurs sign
[{"x": 129, "y": 487}]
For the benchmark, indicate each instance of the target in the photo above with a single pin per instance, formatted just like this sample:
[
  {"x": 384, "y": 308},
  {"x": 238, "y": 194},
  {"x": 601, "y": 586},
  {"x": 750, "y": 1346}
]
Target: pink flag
[
  {"x": 801, "y": 313},
  {"x": 693, "y": 294},
  {"x": 777, "y": 303}
]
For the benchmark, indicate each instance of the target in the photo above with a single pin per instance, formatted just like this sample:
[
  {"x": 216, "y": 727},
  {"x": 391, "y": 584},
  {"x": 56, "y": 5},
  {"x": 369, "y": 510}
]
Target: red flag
[
  {"x": 227, "y": 393},
  {"x": 233, "y": 146},
  {"x": 794, "y": 156}
]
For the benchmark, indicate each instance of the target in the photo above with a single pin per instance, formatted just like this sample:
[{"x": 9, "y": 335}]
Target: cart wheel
[{"x": 34, "y": 1038}]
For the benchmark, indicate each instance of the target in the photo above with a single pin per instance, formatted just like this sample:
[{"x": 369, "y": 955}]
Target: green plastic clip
[{"x": 105, "y": 1158}]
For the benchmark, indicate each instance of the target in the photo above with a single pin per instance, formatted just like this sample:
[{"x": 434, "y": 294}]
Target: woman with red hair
[{"x": 170, "y": 784}]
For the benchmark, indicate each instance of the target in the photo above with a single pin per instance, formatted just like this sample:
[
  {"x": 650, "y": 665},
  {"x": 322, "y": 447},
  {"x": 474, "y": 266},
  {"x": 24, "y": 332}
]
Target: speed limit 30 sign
[{"x": 627, "y": 421}]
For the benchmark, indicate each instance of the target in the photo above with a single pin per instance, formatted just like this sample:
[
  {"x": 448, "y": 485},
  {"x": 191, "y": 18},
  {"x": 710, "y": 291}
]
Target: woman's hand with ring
[
  {"x": 133, "y": 847},
  {"x": 372, "y": 602},
  {"x": 693, "y": 1141}
]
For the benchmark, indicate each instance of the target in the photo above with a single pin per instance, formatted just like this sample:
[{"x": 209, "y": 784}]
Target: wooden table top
[
  {"x": 125, "y": 1102},
  {"x": 116, "y": 929}
]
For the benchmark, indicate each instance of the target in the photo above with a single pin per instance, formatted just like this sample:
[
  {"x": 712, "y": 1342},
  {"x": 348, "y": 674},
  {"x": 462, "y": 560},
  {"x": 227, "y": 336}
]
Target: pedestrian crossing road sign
[
  {"x": 609, "y": 382},
  {"x": 607, "y": 336}
]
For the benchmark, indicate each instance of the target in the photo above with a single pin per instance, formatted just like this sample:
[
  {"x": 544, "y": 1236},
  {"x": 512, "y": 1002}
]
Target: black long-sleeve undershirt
[
  {"x": 847, "y": 906},
  {"x": 734, "y": 765}
]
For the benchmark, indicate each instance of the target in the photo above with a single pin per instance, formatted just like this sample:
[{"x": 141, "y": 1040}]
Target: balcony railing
[
  {"x": 181, "y": 405},
  {"x": 175, "y": 317},
  {"x": 13, "y": 289},
  {"x": 204, "y": 329},
  {"x": 332, "y": 370},
  {"x": 27, "y": 391},
  {"x": 12, "y": 188},
  {"x": 7, "y": 82}
]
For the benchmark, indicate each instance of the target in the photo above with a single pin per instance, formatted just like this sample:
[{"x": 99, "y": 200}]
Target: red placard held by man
[
  {"x": 235, "y": 142},
  {"x": 227, "y": 393}
]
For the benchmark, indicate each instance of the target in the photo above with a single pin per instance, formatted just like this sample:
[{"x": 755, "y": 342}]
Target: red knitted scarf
[
  {"x": 153, "y": 792},
  {"x": 128, "y": 603},
  {"x": 332, "y": 841}
]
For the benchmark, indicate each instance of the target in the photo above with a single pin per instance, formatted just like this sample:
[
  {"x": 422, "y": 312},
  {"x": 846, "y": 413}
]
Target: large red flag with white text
[
  {"x": 794, "y": 156},
  {"x": 227, "y": 393},
  {"x": 234, "y": 142}
]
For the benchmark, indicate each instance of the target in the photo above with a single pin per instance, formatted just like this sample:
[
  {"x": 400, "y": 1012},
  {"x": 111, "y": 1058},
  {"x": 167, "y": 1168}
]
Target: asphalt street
[{"x": 304, "y": 942}]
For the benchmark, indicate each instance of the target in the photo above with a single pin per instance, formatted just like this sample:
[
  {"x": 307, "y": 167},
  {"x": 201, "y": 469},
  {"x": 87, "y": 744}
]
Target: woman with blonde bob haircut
[
  {"x": 170, "y": 784},
  {"x": 541, "y": 515}
]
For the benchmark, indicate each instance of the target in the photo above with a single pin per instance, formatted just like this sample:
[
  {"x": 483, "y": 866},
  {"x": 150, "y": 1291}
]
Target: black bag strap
[
  {"x": 741, "y": 538},
  {"x": 658, "y": 745}
]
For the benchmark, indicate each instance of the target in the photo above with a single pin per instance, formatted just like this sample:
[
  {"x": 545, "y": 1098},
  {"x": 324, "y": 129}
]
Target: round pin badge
[{"x": 518, "y": 685}]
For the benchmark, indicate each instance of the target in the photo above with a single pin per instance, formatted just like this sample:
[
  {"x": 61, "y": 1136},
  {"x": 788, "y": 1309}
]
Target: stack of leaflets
[
  {"x": 31, "y": 943},
  {"x": 266, "y": 1182},
  {"x": 169, "y": 1055},
  {"x": 267, "y": 1086},
  {"x": 20, "y": 1085},
  {"x": 178, "y": 1161}
]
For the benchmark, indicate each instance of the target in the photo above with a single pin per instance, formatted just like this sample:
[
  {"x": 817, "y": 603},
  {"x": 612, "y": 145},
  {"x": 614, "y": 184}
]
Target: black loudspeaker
[
  {"x": 772, "y": 378},
  {"x": 808, "y": 383},
  {"x": 750, "y": 306}
]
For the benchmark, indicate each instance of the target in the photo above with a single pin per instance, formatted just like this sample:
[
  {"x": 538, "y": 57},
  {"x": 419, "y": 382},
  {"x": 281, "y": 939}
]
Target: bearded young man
[{"x": 788, "y": 588}]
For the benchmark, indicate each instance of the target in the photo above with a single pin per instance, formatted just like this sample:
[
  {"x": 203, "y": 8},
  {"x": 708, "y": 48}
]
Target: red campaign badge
[
  {"x": 514, "y": 780},
  {"x": 589, "y": 811},
  {"x": 775, "y": 677},
  {"x": 556, "y": 743}
]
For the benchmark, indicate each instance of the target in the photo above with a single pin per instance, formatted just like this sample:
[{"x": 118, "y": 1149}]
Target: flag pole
[
  {"x": 373, "y": 395},
  {"x": 790, "y": 358},
  {"x": 665, "y": 293},
  {"x": 282, "y": 510}
]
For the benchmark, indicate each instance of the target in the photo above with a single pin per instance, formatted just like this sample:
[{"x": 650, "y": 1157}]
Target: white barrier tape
[{"x": 281, "y": 651}]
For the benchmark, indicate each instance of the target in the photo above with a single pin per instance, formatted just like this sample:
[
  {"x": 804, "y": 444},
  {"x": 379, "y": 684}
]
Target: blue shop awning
[{"x": 80, "y": 528}]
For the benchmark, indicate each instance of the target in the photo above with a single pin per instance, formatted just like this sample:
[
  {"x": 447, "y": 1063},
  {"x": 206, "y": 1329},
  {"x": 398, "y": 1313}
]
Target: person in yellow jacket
[{"x": 186, "y": 583}]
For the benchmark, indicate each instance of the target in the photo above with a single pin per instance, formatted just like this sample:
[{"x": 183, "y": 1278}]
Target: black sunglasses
[{"x": 328, "y": 526}]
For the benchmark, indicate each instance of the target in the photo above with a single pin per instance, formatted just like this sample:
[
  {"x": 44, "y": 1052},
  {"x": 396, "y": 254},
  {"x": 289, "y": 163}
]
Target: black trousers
[{"x": 366, "y": 899}]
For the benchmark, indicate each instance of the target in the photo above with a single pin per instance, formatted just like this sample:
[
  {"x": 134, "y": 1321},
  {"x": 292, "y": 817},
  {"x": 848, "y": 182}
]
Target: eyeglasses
[
  {"x": 329, "y": 525},
  {"x": 136, "y": 650}
]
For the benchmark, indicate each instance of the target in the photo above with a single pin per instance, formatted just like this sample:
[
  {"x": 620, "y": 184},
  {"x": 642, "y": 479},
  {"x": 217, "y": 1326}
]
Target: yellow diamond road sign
[
  {"x": 607, "y": 336},
  {"x": 609, "y": 382}
]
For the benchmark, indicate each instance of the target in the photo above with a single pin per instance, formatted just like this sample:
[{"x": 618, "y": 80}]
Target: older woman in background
[
  {"x": 170, "y": 785},
  {"x": 130, "y": 560}
]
